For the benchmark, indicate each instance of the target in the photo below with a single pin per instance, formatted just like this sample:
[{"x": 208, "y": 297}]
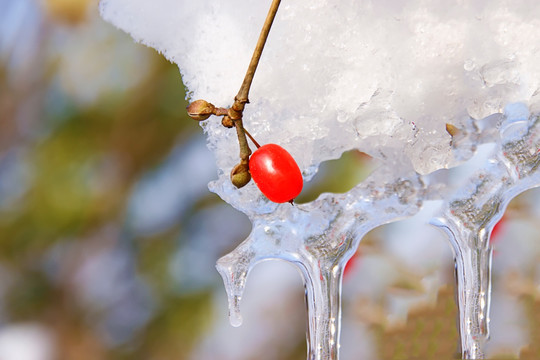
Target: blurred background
[{"x": 109, "y": 235}]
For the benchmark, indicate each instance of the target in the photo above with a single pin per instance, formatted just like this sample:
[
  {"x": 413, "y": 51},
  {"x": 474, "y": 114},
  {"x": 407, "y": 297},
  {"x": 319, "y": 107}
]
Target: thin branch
[
  {"x": 236, "y": 111},
  {"x": 245, "y": 151},
  {"x": 243, "y": 93},
  {"x": 201, "y": 110},
  {"x": 252, "y": 139}
]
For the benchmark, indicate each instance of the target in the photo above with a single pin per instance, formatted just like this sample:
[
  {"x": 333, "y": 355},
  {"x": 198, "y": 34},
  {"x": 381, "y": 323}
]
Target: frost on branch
[{"x": 383, "y": 77}]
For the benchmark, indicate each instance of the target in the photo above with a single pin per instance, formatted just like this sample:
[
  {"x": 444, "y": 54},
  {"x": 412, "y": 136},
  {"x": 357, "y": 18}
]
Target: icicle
[
  {"x": 319, "y": 238},
  {"x": 472, "y": 212},
  {"x": 323, "y": 300},
  {"x": 234, "y": 276}
]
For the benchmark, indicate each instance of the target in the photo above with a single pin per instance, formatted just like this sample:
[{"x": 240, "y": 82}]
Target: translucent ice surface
[
  {"x": 319, "y": 238},
  {"x": 474, "y": 209},
  {"x": 383, "y": 77}
]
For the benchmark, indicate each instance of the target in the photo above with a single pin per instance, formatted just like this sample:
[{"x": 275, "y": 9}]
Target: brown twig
[
  {"x": 242, "y": 98},
  {"x": 201, "y": 109},
  {"x": 252, "y": 139}
]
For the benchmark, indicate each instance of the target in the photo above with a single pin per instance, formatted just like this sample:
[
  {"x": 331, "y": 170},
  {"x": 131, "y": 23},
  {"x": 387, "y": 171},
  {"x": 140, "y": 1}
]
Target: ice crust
[{"x": 383, "y": 77}]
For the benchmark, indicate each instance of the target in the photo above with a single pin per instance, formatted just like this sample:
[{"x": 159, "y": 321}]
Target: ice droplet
[
  {"x": 469, "y": 65},
  {"x": 234, "y": 276},
  {"x": 235, "y": 317}
]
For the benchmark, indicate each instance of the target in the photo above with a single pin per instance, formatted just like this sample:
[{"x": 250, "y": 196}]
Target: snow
[{"x": 380, "y": 76}]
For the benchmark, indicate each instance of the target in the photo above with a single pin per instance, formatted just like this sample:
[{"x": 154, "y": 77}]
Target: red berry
[{"x": 276, "y": 173}]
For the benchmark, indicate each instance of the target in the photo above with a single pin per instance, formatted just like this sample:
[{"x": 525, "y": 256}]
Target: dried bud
[
  {"x": 452, "y": 130},
  {"x": 200, "y": 110},
  {"x": 240, "y": 175},
  {"x": 227, "y": 122}
]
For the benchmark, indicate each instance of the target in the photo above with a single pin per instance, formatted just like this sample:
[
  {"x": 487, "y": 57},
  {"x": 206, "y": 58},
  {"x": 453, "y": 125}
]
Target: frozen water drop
[
  {"x": 469, "y": 65},
  {"x": 234, "y": 274},
  {"x": 235, "y": 317}
]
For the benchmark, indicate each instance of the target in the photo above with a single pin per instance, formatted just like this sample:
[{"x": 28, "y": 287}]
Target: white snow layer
[{"x": 380, "y": 76}]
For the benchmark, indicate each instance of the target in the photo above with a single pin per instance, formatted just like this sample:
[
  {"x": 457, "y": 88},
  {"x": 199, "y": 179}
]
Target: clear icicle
[
  {"x": 234, "y": 276},
  {"x": 319, "y": 238},
  {"x": 235, "y": 315},
  {"x": 323, "y": 299},
  {"x": 472, "y": 212}
]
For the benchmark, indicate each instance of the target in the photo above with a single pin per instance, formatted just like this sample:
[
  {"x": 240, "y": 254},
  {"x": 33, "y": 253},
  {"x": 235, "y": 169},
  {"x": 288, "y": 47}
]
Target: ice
[
  {"x": 319, "y": 238},
  {"x": 383, "y": 77},
  {"x": 472, "y": 212}
]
